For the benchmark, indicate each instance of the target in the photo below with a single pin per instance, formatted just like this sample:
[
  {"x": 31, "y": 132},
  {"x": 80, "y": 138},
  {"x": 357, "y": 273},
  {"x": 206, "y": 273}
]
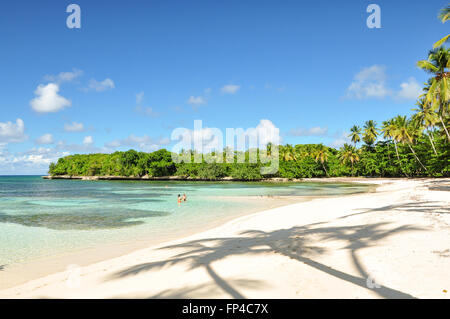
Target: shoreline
[
  {"x": 263, "y": 222},
  {"x": 230, "y": 179}
]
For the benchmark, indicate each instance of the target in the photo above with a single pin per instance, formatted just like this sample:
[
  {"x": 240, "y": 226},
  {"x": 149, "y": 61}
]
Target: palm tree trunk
[
  {"x": 396, "y": 151},
  {"x": 415, "y": 155},
  {"x": 398, "y": 158},
  {"x": 431, "y": 141},
  {"x": 325, "y": 169},
  {"x": 389, "y": 155},
  {"x": 432, "y": 132},
  {"x": 445, "y": 128}
]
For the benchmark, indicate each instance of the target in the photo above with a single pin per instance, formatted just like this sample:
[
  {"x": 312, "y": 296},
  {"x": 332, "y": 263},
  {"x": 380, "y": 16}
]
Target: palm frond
[
  {"x": 444, "y": 14},
  {"x": 427, "y": 66},
  {"x": 441, "y": 41}
]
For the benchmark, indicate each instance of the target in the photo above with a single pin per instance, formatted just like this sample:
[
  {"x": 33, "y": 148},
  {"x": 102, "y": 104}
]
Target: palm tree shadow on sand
[
  {"x": 294, "y": 243},
  {"x": 427, "y": 207},
  {"x": 206, "y": 290}
]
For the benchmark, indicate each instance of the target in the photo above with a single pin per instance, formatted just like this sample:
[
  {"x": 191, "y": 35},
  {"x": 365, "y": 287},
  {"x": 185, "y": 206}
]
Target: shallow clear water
[{"x": 40, "y": 218}]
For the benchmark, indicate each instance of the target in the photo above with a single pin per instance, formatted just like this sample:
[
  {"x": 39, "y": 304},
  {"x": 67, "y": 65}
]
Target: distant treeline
[{"x": 299, "y": 161}]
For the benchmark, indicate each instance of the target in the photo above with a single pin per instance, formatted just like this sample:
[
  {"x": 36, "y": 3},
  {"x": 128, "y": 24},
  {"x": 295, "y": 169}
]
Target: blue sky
[{"x": 138, "y": 69}]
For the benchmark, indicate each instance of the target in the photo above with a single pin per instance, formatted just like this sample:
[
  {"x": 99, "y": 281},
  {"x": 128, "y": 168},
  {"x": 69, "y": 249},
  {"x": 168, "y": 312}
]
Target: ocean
[{"x": 43, "y": 218}]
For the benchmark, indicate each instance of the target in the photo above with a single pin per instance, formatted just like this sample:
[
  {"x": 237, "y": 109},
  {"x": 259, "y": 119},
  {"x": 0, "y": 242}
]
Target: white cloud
[
  {"x": 147, "y": 111},
  {"x": 45, "y": 139},
  {"x": 144, "y": 143},
  {"x": 88, "y": 140},
  {"x": 33, "y": 161},
  {"x": 113, "y": 144},
  {"x": 74, "y": 127},
  {"x": 410, "y": 90},
  {"x": 64, "y": 76},
  {"x": 370, "y": 82},
  {"x": 139, "y": 97},
  {"x": 10, "y": 132},
  {"x": 86, "y": 147},
  {"x": 230, "y": 89},
  {"x": 206, "y": 139},
  {"x": 340, "y": 140},
  {"x": 200, "y": 139},
  {"x": 98, "y": 86},
  {"x": 48, "y": 99},
  {"x": 41, "y": 156},
  {"x": 266, "y": 132},
  {"x": 196, "y": 100},
  {"x": 313, "y": 131}
]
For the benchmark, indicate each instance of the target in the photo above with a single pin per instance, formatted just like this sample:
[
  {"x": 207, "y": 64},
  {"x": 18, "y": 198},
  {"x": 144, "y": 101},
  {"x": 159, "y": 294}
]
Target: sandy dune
[{"x": 393, "y": 243}]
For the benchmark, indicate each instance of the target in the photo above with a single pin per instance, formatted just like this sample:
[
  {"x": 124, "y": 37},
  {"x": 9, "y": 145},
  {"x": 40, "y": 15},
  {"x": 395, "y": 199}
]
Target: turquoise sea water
[{"x": 41, "y": 218}]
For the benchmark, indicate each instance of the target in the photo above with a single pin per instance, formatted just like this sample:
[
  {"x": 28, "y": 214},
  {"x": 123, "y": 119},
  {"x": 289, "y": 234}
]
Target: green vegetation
[
  {"x": 444, "y": 16},
  {"x": 414, "y": 146},
  {"x": 130, "y": 163},
  {"x": 405, "y": 151}
]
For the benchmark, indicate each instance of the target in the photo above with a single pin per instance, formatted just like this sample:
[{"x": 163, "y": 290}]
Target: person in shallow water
[
  {"x": 179, "y": 199},
  {"x": 184, "y": 197}
]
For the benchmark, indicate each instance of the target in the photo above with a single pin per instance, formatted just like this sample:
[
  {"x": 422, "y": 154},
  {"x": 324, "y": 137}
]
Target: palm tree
[
  {"x": 389, "y": 130},
  {"x": 228, "y": 154},
  {"x": 287, "y": 153},
  {"x": 321, "y": 155},
  {"x": 444, "y": 15},
  {"x": 370, "y": 132},
  {"x": 270, "y": 152},
  {"x": 269, "y": 148},
  {"x": 437, "y": 91},
  {"x": 300, "y": 152},
  {"x": 355, "y": 134},
  {"x": 348, "y": 153},
  {"x": 426, "y": 118},
  {"x": 405, "y": 133}
]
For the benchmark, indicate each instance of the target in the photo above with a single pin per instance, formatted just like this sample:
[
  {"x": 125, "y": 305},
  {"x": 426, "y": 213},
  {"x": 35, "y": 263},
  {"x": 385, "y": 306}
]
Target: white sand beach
[{"x": 391, "y": 243}]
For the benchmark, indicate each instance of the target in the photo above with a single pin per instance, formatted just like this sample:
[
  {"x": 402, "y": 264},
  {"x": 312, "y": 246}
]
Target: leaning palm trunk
[
  {"x": 398, "y": 158},
  {"x": 415, "y": 155},
  {"x": 432, "y": 132},
  {"x": 431, "y": 141},
  {"x": 326, "y": 172},
  {"x": 396, "y": 151},
  {"x": 445, "y": 128}
]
